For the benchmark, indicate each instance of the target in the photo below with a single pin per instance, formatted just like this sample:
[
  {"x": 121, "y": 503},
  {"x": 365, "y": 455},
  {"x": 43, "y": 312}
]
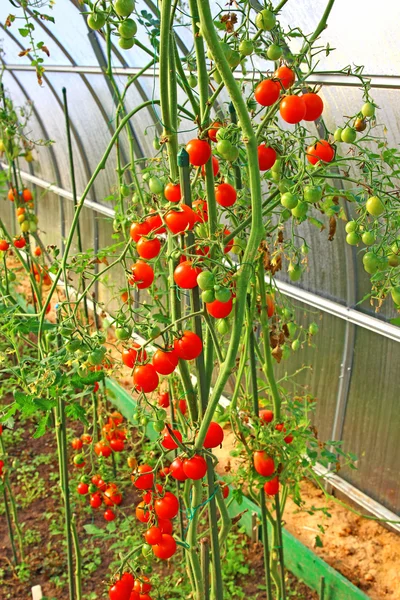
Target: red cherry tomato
[
  {"x": 322, "y": 151},
  {"x": 189, "y": 346},
  {"x": 131, "y": 355},
  {"x": 292, "y": 109},
  {"x": 212, "y": 132},
  {"x": 185, "y": 275},
  {"x": 96, "y": 500},
  {"x": 82, "y": 488},
  {"x": 148, "y": 248},
  {"x": 142, "y": 275},
  {"x": 214, "y": 436},
  {"x": 219, "y": 310},
  {"x": 165, "y": 525},
  {"x": 172, "y": 192},
  {"x": 4, "y": 245},
  {"x": 165, "y": 361},
  {"x": 117, "y": 445},
  {"x": 272, "y": 487},
  {"x": 156, "y": 224},
  {"x": 215, "y": 167},
  {"x": 168, "y": 441},
  {"x": 263, "y": 464},
  {"x": 77, "y": 444},
  {"x": 142, "y": 513},
  {"x": 178, "y": 221},
  {"x": 142, "y": 585},
  {"x": 166, "y": 548},
  {"x": 199, "y": 152},
  {"x": 102, "y": 449},
  {"x": 138, "y": 229},
  {"x": 153, "y": 536},
  {"x": 19, "y": 243},
  {"x": 163, "y": 399},
  {"x": 109, "y": 515},
  {"x": 266, "y": 416},
  {"x": 266, "y": 157},
  {"x": 195, "y": 467},
  {"x": 145, "y": 378},
  {"x": 112, "y": 496},
  {"x": 267, "y": 92},
  {"x": 200, "y": 208},
  {"x": 167, "y": 507},
  {"x": 285, "y": 76},
  {"x": 314, "y": 106},
  {"x": 225, "y": 194},
  {"x": 176, "y": 469}
]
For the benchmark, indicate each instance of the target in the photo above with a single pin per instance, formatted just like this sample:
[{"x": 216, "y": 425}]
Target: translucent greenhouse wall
[{"x": 354, "y": 375}]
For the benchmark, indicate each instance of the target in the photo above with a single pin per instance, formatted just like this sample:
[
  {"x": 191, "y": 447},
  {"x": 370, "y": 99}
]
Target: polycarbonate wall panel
[
  {"x": 49, "y": 215},
  {"x": 372, "y": 422}
]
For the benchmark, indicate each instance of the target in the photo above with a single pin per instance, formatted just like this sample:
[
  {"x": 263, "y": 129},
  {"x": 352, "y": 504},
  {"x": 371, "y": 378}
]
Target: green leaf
[
  {"x": 42, "y": 426},
  {"x": 24, "y": 31},
  {"x": 93, "y": 530},
  {"x": 76, "y": 411},
  {"x": 395, "y": 321},
  {"x": 318, "y": 542}
]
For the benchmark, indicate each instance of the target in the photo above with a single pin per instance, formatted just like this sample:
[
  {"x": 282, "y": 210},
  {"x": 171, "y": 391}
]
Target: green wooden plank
[{"x": 299, "y": 559}]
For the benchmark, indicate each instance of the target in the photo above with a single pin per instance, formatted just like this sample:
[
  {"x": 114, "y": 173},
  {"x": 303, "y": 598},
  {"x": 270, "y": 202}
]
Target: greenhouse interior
[{"x": 199, "y": 300}]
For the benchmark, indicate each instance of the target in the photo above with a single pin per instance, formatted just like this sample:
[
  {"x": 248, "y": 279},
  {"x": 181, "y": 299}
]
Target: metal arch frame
[{"x": 390, "y": 82}]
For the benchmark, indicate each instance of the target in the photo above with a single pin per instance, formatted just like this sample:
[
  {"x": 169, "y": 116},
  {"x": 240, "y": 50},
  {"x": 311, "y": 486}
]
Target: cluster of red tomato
[
  {"x": 127, "y": 587},
  {"x": 265, "y": 464}
]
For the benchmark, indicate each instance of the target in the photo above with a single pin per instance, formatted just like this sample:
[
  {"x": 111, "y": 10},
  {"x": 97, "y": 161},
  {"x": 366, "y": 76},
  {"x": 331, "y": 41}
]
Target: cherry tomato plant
[{"x": 201, "y": 229}]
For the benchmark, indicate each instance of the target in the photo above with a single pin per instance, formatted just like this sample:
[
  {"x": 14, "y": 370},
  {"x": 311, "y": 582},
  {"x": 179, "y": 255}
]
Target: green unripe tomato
[
  {"x": 304, "y": 249},
  {"x": 158, "y": 426},
  {"x": 222, "y": 294},
  {"x": 230, "y": 154},
  {"x": 265, "y": 20},
  {"x": 349, "y": 135},
  {"x": 284, "y": 185},
  {"x": 206, "y": 280},
  {"x": 192, "y": 80},
  {"x": 295, "y": 272},
  {"x": 292, "y": 328},
  {"x": 144, "y": 421},
  {"x": 79, "y": 459},
  {"x": 286, "y": 214},
  {"x": 393, "y": 260},
  {"x": 217, "y": 76},
  {"x": 371, "y": 262},
  {"x": 287, "y": 314},
  {"x": 337, "y": 136},
  {"x": 289, "y": 200},
  {"x": 285, "y": 351},
  {"x": 123, "y": 332},
  {"x": 96, "y": 357},
  {"x": 277, "y": 166},
  {"x": 156, "y": 143},
  {"x": 85, "y": 479},
  {"x": 124, "y": 8},
  {"x": 221, "y": 134},
  {"x": 300, "y": 210},
  {"x": 234, "y": 59},
  {"x": 375, "y": 206},
  {"x": 146, "y": 550},
  {"x": 312, "y": 193},
  {"x": 67, "y": 330},
  {"x": 351, "y": 226},
  {"x": 155, "y": 332},
  {"x": 223, "y": 326},
  {"x": 156, "y": 185},
  {"x": 50, "y": 336},
  {"x": 313, "y": 329},
  {"x": 33, "y": 227},
  {"x": 73, "y": 345},
  {"x": 238, "y": 246},
  {"x": 295, "y": 345},
  {"x": 11, "y": 276},
  {"x": 395, "y": 248},
  {"x": 161, "y": 414},
  {"x": 353, "y": 239},
  {"x": 127, "y": 29},
  {"x": 124, "y": 189},
  {"x": 395, "y": 293},
  {"x": 276, "y": 176},
  {"x": 125, "y": 43},
  {"x": 274, "y": 52},
  {"x": 368, "y": 109},
  {"x": 368, "y": 238},
  {"x": 92, "y": 488},
  {"x": 223, "y": 147},
  {"x": 246, "y": 47},
  {"x": 96, "y": 20},
  {"x": 208, "y": 296}
]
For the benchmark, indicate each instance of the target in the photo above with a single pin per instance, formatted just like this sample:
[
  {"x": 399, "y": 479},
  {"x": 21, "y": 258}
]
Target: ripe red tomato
[
  {"x": 199, "y": 152},
  {"x": 77, "y": 444},
  {"x": 148, "y": 248},
  {"x": 142, "y": 585},
  {"x": 288, "y": 439},
  {"x": 165, "y": 525},
  {"x": 82, "y": 488},
  {"x": 166, "y": 548},
  {"x": 119, "y": 591},
  {"x": 145, "y": 378},
  {"x": 11, "y": 194},
  {"x": 189, "y": 346},
  {"x": 292, "y": 109},
  {"x": 215, "y": 167},
  {"x": 117, "y": 445},
  {"x": 201, "y": 210},
  {"x": 286, "y": 76},
  {"x": 167, "y": 507},
  {"x": 96, "y": 500},
  {"x": 165, "y": 361},
  {"x": 321, "y": 150},
  {"x": 176, "y": 469},
  {"x": 214, "y": 436},
  {"x": 86, "y": 438},
  {"x": 131, "y": 355},
  {"x": 224, "y": 489},
  {"x": 19, "y": 242},
  {"x": 4, "y": 245},
  {"x": 266, "y": 157},
  {"x": 270, "y": 305},
  {"x": 142, "y": 514},
  {"x": 142, "y": 275},
  {"x": 266, "y": 416},
  {"x": 228, "y": 246},
  {"x": 109, "y": 515},
  {"x": 178, "y": 221},
  {"x": 138, "y": 229},
  {"x": 116, "y": 418},
  {"x": 263, "y": 464},
  {"x": 168, "y": 441},
  {"x": 153, "y": 536},
  {"x": 112, "y": 496},
  {"x": 163, "y": 399},
  {"x": 225, "y": 194},
  {"x": 148, "y": 496},
  {"x": 219, "y": 310},
  {"x": 27, "y": 195},
  {"x": 102, "y": 449},
  {"x": 272, "y": 487},
  {"x": 195, "y": 467},
  {"x": 212, "y": 132},
  {"x": 182, "y": 407},
  {"x": 185, "y": 275},
  {"x": 267, "y": 92},
  {"x": 314, "y": 106},
  {"x": 156, "y": 224},
  {"x": 172, "y": 192}
]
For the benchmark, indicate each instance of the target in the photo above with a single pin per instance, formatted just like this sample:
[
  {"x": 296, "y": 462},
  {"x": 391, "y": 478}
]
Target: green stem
[
  {"x": 9, "y": 525},
  {"x": 78, "y": 561}
]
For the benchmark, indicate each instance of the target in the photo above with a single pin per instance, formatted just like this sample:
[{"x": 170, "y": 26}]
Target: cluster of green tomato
[
  {"x": 349, "y": 134},
  {"x": 127, "y": 28}
]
